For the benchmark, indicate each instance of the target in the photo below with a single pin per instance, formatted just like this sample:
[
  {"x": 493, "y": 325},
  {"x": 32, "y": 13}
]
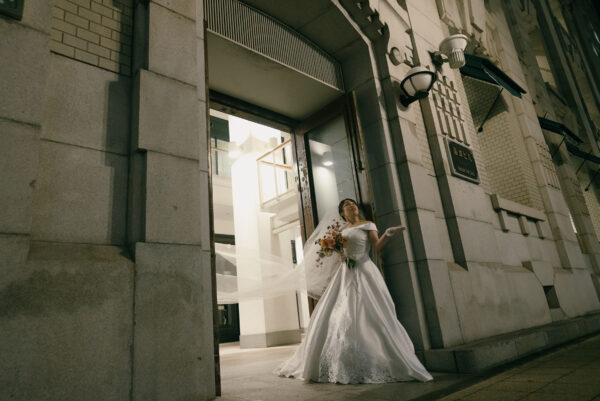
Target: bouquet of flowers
[{"x": 332, "y": 242}]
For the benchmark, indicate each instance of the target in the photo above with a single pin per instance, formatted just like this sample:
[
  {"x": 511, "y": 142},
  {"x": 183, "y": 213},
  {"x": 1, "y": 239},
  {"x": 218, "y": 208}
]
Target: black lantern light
[{"x": 416, "y": 85}]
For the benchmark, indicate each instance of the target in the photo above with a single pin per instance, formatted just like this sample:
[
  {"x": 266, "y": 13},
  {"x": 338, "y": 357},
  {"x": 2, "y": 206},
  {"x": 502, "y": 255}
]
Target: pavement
[{"x": 567, "y": 373}]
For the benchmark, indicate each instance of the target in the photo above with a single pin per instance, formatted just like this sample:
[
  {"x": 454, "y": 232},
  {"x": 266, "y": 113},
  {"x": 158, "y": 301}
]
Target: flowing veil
[
  {"x": 319, "y": 271},
  {"x": 274, "y": 276}
]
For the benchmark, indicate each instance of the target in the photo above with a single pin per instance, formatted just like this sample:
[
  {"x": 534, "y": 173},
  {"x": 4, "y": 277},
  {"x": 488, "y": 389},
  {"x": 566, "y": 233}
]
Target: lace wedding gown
[{"x": 354, "y": 335}]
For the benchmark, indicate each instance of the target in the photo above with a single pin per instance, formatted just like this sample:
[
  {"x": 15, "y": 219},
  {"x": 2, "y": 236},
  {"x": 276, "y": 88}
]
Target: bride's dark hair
[{"x": 341, "y": 206}]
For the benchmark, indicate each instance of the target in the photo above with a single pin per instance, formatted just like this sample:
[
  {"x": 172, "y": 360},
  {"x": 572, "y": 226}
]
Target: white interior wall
[{"x": 256, "y": 243}]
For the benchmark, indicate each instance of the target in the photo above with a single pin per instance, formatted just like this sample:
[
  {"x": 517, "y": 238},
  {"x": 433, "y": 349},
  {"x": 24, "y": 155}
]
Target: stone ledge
[
  {"x": 516, "y": 208},
  {"x": 482, "y": 355},
  {"x": 523, "y": 213},
  {"x": 264, "y": 340}
]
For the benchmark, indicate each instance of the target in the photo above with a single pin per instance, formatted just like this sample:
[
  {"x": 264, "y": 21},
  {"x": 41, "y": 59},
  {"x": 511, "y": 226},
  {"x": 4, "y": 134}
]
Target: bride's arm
[{"x": 377, "y": 243}]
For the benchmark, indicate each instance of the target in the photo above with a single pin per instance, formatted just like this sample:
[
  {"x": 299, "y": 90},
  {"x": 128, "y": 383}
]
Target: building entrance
[
  {"x": 270, "y": 188},
  {"x": 286, "y": 148},
  {"x": 257, "y": 232}
]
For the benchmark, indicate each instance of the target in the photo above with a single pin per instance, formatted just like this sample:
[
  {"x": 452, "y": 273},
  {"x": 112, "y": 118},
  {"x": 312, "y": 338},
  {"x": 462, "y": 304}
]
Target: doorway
[
  {"x": 270, "y": 188},
  {"x": 257, "y": 233},
  {"x": 304, "y": 136}
]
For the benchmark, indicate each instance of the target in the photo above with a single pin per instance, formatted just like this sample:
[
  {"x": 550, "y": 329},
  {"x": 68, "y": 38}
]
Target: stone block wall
[
  {"x": 65, "y": 291},
  {"x": 424, "y": 145},
  {"x": 96, "y": 32},
  {"x": 591, "y": 199},
  {"x": 80, "y": 192}
]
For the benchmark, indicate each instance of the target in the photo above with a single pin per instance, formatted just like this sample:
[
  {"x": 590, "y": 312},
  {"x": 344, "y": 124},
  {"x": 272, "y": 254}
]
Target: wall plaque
[
  {"x": 12, "y": 8},
  {"x": 462, "y": 161}
]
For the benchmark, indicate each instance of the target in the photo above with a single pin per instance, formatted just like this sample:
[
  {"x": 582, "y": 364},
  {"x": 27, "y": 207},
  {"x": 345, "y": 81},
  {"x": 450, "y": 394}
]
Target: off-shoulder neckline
[{"x": 360, "y": 225}]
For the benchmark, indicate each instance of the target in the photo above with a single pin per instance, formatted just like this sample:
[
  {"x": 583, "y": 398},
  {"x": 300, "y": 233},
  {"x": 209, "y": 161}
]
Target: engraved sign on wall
[
  {"x": 12, "y": 8},
  {"x": 462, "y": 161}
]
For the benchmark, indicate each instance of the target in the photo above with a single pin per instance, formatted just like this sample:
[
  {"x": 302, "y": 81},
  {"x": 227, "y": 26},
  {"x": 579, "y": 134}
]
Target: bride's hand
[{"x": 390, "y": 232}]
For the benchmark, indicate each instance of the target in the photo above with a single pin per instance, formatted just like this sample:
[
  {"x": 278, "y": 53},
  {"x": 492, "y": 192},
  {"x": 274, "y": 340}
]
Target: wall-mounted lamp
[
  {"x": 327, "y": 159},
  {"x": 416, "y": 85},
  {"x": 453, "y": 48}
]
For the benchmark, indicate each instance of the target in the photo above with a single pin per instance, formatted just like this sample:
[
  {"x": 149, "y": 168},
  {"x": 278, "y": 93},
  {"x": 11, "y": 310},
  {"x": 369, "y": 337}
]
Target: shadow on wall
[
  {"x": 44, "y": 293},
  {"x": 118, "y": 127}
]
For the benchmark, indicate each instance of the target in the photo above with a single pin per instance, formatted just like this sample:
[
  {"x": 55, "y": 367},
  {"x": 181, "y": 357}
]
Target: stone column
[
  {"x": 404, "y": 189},
  {"x": 463, "y": 206},
  {"x": 23, "y": 77},
  {"x": 169, "y": 221},
  {"x": 561, "y": 68},
  {"x": 23, "y": 72},
  {"x": 558, "y": 202}
]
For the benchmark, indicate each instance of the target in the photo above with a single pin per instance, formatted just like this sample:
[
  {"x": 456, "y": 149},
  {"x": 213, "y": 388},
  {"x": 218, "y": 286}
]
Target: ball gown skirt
[{"x": 354, "y": 335}]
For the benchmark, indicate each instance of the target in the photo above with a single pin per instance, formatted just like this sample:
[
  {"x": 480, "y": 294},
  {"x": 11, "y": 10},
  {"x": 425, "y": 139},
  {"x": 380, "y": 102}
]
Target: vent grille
[{"x": 259, "y": 32}]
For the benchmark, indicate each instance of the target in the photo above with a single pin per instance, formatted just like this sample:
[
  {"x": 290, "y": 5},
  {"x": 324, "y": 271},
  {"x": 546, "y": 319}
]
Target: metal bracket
[{"x": 490, "y": 111}]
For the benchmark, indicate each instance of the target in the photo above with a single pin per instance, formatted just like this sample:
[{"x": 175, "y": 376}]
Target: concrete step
[{"x": 482, "y": 355}]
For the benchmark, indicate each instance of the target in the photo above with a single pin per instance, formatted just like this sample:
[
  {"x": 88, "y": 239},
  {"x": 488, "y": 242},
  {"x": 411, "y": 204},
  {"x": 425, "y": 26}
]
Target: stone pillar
[
  {"x": 404, "y": 188},
  {"x": 561, "y": 68},
  {"x": 23, "y": 76},
  {"x": 23, "y": 72},
  {"x": 568, "y": 198},
  {"x": 169, "y": 221},
  {"x": 463, "y": 206}
]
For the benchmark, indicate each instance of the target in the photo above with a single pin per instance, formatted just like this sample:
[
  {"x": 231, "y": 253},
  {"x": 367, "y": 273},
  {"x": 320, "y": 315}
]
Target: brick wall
[
  {"x": 507, "y": 163},
  {"x": 96, "y": 32},
  {"x": 471, "y": 128}
]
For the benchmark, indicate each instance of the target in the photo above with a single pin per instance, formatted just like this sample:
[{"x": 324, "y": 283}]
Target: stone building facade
[{"x": 106, "y": 228}]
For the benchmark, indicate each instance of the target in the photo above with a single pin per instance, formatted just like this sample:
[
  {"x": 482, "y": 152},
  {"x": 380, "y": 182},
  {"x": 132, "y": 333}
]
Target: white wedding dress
[{"x": 354, "y": 335}]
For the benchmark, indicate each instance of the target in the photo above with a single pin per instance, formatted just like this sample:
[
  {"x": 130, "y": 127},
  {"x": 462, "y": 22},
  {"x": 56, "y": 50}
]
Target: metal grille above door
[{"x": 263, "y": 34}]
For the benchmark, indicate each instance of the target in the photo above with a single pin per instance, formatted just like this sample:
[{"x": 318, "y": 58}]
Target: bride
[{"x": 354, "y": 335}]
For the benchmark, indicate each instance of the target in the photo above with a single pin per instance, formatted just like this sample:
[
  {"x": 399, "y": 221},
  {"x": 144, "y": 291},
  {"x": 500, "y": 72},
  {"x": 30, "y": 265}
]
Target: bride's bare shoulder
[
  {"x": 362, "y": 223},
  {"x": 368, "y": 225},
  {"x": 345, "y": 225}
]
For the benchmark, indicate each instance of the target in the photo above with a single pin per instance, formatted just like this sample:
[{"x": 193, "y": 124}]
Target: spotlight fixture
[
  {"x": 416, "y": 85},
  {"x": 453, "y": 48},
  {"x": 327, "y": 159}
]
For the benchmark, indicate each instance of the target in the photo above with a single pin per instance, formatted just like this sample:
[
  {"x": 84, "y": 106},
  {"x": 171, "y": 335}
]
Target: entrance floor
[
  {"x": 246, "y": 376},
  {"x": 569, "y": 372}
]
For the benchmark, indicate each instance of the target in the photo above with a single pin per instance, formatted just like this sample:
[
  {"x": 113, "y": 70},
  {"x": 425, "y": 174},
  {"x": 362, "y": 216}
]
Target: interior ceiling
[
  {"x": 246, "y": 75},
  {"x": 253, "y": 78}
]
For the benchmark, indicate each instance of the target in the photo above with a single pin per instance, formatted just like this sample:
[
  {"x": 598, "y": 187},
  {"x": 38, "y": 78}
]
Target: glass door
[{"x": 331, "y": 162}]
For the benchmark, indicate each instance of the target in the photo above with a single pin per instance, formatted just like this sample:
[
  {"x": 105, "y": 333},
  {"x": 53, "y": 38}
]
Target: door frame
[
  {"x": 248, "y": 111},
  {"x": 345, "y": 105}
]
